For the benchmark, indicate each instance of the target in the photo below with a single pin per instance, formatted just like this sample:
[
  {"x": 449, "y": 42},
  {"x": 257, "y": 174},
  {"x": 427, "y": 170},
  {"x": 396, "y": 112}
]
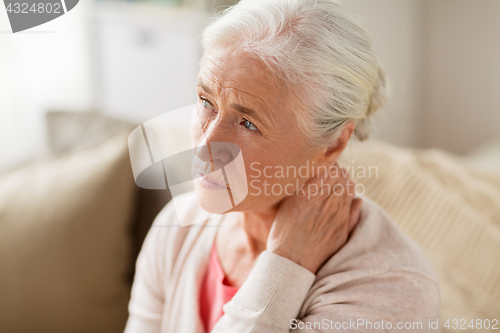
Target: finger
[
  {"x": 319, "y": 185},
  {"x": 343, "y": 187},
  {"x": 328, "y": 182},
  {"x": 348, "y": 199},
  {"x": 340, "y": 201},
  {"x": 337, "y": 181},
  {"x": 343, "y": 172},
  {"x": 356, "y": 205}
]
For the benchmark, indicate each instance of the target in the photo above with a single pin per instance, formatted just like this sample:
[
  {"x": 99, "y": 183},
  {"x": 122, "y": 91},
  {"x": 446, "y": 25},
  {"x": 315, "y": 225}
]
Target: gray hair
[{"x": 318, "y": 50}]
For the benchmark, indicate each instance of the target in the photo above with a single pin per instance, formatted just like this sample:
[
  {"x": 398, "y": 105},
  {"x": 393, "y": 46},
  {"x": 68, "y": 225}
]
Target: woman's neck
[{"x": 257, "y": 226}]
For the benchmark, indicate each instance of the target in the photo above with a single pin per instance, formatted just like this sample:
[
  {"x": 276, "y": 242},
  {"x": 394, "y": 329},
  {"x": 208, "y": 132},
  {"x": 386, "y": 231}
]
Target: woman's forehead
[
  {"x": 242, "y": 77},
  {"x": 240, "y": 71}
]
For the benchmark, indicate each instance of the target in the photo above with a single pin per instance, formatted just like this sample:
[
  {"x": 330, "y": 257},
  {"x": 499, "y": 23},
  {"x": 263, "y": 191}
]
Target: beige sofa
[
  {"x": 451, "y": 208},
  {"x": 72, "y": 225}
]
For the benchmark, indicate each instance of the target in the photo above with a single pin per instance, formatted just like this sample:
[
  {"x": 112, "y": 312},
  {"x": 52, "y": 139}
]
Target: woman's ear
[{"x": 332, "y": 153}]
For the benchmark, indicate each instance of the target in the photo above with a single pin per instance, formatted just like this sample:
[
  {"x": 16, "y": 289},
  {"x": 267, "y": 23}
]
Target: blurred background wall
[
  {"x": 443, "y": 58},
  {"x": 138, "y": 59}
]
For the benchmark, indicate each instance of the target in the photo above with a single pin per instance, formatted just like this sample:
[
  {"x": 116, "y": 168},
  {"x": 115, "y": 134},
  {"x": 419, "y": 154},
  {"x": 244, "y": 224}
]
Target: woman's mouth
[{"x": 210, "y": 182}]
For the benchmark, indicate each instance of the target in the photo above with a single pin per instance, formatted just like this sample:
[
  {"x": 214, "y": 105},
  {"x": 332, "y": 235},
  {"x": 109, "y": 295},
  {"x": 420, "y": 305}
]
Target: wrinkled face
[{"x": 240, "y": 104}]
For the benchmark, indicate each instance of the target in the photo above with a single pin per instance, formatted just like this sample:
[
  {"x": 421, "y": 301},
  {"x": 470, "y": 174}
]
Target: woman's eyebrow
[
  {"x": 237, "y": 107},
  {"x": 205, "y": 87},
  {"x": 249, "y": 112}
]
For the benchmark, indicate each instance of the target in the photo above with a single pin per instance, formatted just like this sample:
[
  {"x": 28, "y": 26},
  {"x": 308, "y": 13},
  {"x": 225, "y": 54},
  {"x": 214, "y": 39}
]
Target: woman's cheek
[
  {"x": 196, "y": 129},
  {"x": 256, "y": 179}
]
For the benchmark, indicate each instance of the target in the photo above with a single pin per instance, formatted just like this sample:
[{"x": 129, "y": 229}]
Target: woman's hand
[{"x": 313, "y": 224}]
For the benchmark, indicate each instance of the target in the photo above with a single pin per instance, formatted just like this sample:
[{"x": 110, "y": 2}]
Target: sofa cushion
[
  {"x": 68, "y": 132},
  {"x": 451, "y": 209},
  {"x": 65, "y": 242}
]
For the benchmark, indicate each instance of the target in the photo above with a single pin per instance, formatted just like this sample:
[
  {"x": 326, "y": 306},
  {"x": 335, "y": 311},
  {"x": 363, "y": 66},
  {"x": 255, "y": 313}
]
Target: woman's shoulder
[
  {"x": 167, "y": 222},
  {"x": 178, "y": 223},
  {"x": 379, "y": 264},
  {"x": 376, "y": 235},
  {"x": 183, "y": 210},
  {"x": 382, "y": 236}
]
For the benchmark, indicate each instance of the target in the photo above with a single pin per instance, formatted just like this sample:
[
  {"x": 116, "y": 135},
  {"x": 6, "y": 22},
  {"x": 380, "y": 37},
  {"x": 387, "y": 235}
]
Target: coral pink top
[{"x": 215, "y": 292}]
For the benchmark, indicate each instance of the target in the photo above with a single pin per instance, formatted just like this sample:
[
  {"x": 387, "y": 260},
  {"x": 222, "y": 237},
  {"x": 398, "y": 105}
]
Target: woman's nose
[{"x": 216, "y": 147}]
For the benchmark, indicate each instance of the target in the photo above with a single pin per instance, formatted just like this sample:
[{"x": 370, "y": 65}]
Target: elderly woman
[{"x": 288, "y": 82}]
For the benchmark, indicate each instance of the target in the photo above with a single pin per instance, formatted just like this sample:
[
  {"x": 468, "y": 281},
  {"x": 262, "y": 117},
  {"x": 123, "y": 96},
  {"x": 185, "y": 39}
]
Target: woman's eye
[
  {"x": 207, "y": 104},
  {"x": 250, "y": 126}
]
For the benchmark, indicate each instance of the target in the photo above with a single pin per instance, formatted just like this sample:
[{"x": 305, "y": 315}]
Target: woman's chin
[{"x": 211, "y": 199}]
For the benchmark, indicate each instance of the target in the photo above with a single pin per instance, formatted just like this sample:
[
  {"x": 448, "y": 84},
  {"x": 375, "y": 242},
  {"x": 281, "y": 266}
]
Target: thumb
[{"x": 356, "y": 205}]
